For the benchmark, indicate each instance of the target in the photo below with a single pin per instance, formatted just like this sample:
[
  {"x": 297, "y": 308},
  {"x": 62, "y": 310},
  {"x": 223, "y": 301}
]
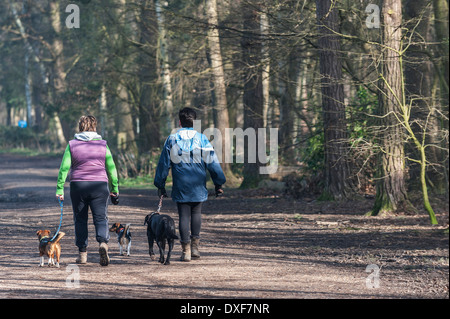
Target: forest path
[{"x": 255, "y": 244}]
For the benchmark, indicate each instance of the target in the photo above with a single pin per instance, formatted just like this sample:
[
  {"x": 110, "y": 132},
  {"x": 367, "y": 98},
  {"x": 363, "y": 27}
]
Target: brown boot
[
  {"x": 195, "y": 254},
  {"x": 82, "y": 257},
  {"x": 104, "y": 257},
  {"x": 186, "y": 253}
]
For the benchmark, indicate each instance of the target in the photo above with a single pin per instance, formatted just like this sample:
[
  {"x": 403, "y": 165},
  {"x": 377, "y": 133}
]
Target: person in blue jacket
[{"x": 189, "y": 154}]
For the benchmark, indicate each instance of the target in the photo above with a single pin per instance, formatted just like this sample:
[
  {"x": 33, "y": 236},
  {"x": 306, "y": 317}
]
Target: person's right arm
[
  {"x": 63, "y": 171},
  {"x": 162, "y": 170}
]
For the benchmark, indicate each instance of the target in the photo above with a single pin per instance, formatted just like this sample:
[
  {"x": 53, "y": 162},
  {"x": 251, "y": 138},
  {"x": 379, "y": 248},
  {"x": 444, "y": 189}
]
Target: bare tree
[
  {"x": 164, "y": 66},
  {"x": 334, "y": 122},
  {"x": 253, "y": 88},
  {"x": 220, "y": 93},
  {"x": 391, "y": 188}
]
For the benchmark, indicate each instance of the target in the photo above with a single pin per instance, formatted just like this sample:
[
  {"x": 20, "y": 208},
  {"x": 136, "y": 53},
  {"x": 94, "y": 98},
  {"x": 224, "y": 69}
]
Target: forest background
[{"x": 358, "y": 90}]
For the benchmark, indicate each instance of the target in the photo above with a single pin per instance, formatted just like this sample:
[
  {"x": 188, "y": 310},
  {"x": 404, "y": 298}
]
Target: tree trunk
[
  {"x": 59, "y": 135},
  {"x": 391, "y": 189},
  {"x": 442, "y": 34},
  {"x": 419, "y": 76},
  {"x": 253, "y": 89},
  {"x": 123, "y": 114},
  {"x": 149, "y": 114},
  {"x": 127, "y": 138},
  {"x": 28, "y": 86},
  {"x": 220, "y": 93},
  {"x": 302, "y": 105},
  {"x": 337, "y": 182},
  {"x": 286, "y": 88},
  {"x": 441, "y": 11},
  {"x": 266, "y": 67},
  {"x": 103, "y": 110},
  {"x": 59, "y": 76},
  {"x": 164, "y": 68}
]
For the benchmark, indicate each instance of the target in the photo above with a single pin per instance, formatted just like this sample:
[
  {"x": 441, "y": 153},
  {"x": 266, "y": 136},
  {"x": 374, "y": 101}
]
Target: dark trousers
[
  {"x": 94, "y": 195},
  {"x": 190, "y": 222}
]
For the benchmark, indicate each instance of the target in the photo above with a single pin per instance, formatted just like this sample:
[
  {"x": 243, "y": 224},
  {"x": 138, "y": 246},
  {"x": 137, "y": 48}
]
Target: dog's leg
[
  {"x": 41, "y": 261},
  {"x": 120, "y": 249},
  {"x": 150, "y": 246},
  {"x": 170, "y": 242},
  {"x": 161, "y": 245},
  {"x": 128, "y": 248},
  {"x": 57, "y": 258}
]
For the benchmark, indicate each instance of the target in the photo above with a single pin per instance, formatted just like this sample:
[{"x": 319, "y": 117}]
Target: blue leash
[{"x": 61, "y": 204}]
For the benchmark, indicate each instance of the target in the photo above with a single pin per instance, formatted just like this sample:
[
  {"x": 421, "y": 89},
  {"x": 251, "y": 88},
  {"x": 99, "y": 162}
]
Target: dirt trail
[{"x": 255, "y": 244}]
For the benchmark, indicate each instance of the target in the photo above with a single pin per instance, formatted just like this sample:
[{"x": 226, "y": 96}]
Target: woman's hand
[
  {"x": 60, "y": 197},
  {"x": 114, "y": 198}
]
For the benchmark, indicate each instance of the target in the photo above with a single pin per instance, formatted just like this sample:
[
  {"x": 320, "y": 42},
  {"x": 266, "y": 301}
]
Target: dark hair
[
  {"x": 187, "y": 117},
  {"x": 87, "y": 123}
]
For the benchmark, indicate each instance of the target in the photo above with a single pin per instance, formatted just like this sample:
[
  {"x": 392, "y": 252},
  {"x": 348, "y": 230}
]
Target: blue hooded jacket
[{"x": 189, "y": 154}]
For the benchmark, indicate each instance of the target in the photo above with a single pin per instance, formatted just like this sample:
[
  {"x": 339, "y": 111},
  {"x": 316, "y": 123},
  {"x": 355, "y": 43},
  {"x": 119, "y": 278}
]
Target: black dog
[{"x": 160, "y": 228}]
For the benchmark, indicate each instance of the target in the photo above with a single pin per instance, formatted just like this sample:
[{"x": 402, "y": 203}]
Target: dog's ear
[
  {"x": 146, "y": 220},
  {"x": 38, "y": 232}
]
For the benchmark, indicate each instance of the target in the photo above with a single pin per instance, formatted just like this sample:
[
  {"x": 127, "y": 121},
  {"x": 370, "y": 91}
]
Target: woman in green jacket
[{"x": 93, "y": 179}]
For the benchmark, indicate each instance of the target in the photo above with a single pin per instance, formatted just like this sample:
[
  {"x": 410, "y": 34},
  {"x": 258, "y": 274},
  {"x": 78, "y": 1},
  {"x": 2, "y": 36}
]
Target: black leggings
[
  {"x": 190, "y": 219},
  {"x": 94, "y": 195}
]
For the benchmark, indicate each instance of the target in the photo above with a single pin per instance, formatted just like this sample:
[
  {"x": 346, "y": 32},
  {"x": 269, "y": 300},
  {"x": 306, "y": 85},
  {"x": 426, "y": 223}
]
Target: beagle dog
[
  {"x": 123, "y": 236},
  {"x": 51, "y": 249}
]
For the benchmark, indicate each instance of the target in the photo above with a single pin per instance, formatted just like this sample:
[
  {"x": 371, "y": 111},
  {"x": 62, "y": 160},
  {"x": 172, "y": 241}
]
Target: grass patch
[
  {"x": 141, "y": 182},
  {"x": 30, "y": 152}
]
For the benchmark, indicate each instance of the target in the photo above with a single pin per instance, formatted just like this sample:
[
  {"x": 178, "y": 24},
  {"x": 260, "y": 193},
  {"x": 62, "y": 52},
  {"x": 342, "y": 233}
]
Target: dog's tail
[
  {"x": 170, "y": 229},
  {"x": 58, "y": 238},
  {"x": 127, "y": 230}
]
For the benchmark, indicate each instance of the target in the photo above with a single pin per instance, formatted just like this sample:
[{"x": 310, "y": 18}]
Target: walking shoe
[
  {"x": 186, "y": 253},
  {"x": 195, "y": 254},
  {"x": 103, "y": 251},
  {"x": 82, "y": 257}
]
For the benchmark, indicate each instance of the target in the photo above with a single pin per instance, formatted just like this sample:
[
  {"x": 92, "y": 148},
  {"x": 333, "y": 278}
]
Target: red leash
[{"x": 160, "y": 203}]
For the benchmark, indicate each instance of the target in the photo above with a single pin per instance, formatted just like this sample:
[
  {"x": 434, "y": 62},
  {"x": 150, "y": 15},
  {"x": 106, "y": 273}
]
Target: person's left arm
[
  {"x": 112, "y": 172},
  {"x": 212, "y": 163}
]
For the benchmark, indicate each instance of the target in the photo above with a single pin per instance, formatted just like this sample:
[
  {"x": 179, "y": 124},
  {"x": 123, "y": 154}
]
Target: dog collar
[{"x": 45, "y": 237}]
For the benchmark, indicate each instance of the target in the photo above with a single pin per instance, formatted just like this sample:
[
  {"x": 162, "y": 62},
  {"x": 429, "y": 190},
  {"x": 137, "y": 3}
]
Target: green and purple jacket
[{"x": 87, "y": 158}]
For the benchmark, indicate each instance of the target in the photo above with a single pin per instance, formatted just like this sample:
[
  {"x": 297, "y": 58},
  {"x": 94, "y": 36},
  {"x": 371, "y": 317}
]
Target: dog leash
[
  {"x": 61, "y": 204},
  {"x": 160, "y": 203}
]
